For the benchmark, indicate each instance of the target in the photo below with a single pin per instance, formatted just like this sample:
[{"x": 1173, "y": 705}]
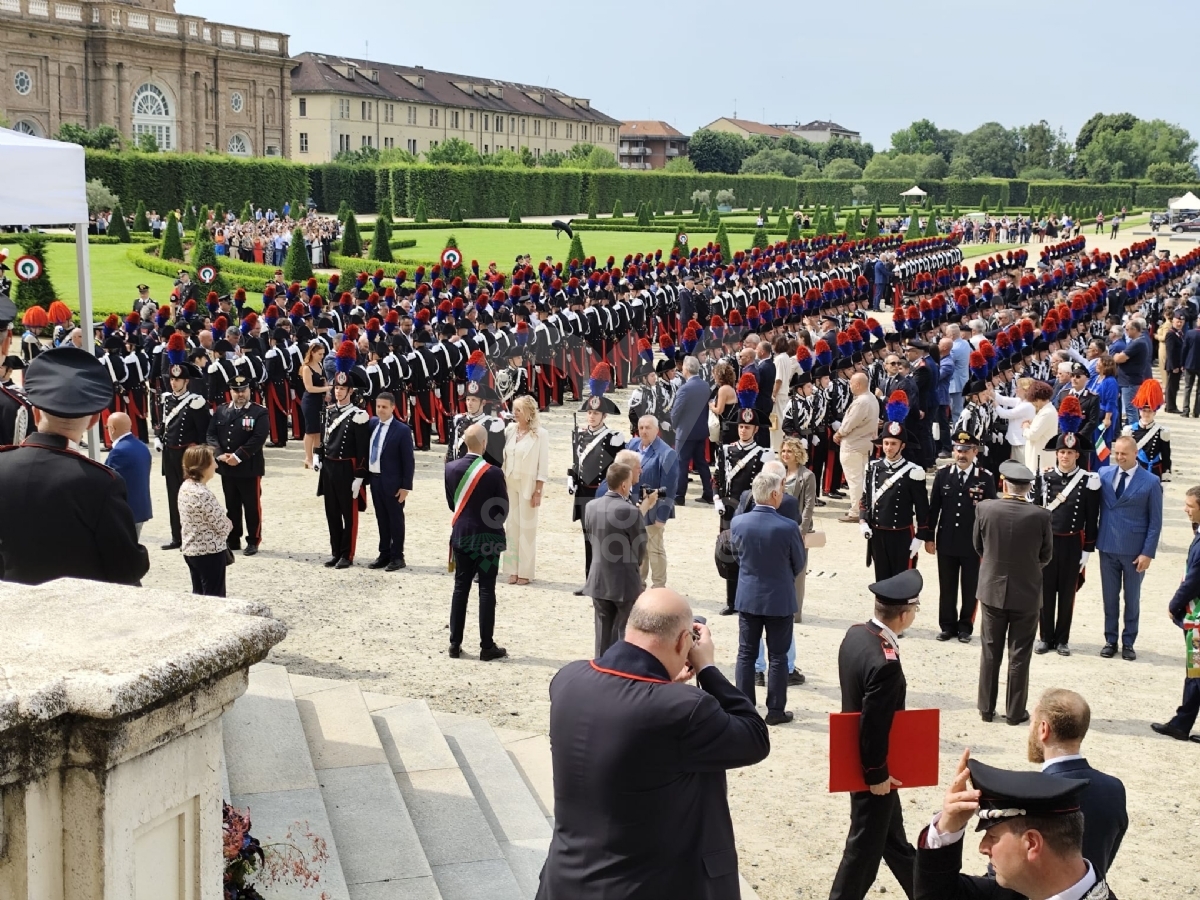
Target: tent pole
[{"x": 83, "y": 264}]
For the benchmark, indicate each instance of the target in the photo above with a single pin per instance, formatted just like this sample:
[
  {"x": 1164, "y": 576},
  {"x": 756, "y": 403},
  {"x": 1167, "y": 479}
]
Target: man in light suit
[
  {"x": 659, "y": 469},
  {"x": 1014, "y": 540},
  {"x": 130, "y": 459},
  {"x": 1060, "y": 723},
  {"x": 641, "y": 807},
  {"x": 770, "y": 555},
  {"x": 689, "y": 420},
  {"x": 616, "y": 529},
  {"x": 390, "y": 466},
  {"x": 1131, "y": 502}
]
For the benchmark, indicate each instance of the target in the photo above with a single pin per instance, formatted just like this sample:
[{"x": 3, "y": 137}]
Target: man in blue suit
[
  {"x": 689, "y": 420},
  {"x": 130, "y": 459},
  {"x": 659, "y": 469},
  {"x": 390, "y": 466},
  {"x": 477, "y": 494},
  {"x": 1130, "y": 523},
  {"x": 1184, "y": 609},
  {"x": 770, "y": 555},
  {"x": 1059, "y": 724}
]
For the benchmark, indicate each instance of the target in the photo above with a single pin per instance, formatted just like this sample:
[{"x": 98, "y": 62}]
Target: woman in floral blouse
[{"x": 204, "y": 523}]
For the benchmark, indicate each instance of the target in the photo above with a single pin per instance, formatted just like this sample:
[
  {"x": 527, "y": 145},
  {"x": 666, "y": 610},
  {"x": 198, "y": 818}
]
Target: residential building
[
  {"x": 139, "y": 66},
  {"x": 745, "y": 128},
  {"x": 650, "y": 144},
  {"x": 340, "y": 104},
  {"x": 821, "y": 132}
]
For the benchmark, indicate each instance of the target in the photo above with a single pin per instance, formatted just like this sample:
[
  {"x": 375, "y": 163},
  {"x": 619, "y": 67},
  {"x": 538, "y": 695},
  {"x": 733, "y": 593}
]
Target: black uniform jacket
[
  {"x": 242, "y": 432},
  {"x": 952, "y": 506},
  {"x": 872, "y": 684},
  {"x": 640, "y": 807},
  {"x": 937, "y": 876},
  {"x": 68, "y": 517}
]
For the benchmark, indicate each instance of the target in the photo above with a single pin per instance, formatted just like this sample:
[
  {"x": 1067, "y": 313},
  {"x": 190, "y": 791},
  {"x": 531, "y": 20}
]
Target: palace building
[
  {"x": 346, "y": 104},
  {"x": 139, "y": 66}
]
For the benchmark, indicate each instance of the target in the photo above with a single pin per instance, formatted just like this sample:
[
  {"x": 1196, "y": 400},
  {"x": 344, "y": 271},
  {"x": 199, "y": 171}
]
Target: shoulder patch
[
  {"x": 1164, "y": 434},
  {"x": 1093, "y": 481},
  {"x": 198, "y": 402},
  {"x": 916, "y": 473},
  {"x": 361, "y": 417}
]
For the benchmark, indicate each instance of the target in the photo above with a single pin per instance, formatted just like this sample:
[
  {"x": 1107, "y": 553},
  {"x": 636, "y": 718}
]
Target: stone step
[
  {"x": 271, "y": 773},
  {"x": 381, "y": 855},
  {"x": 514, "y": 815},
  {"x": 467, "y": 861}
]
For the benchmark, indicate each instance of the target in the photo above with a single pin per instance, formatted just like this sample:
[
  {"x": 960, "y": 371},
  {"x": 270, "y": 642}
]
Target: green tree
[
  {"x": 793, "y": 230},
  {"x": 903, "y": 205},
  {"x": 658, "y": 207},
  {"x": 99, "y": 197},
  {"x": 343, "y": 211},
  {"x": 643, "y": 215},
  {"x": 140, "y": 222},
  {"x": 931, "y": 227},
  {"x": 914, "y": 226},
  {"x": 714, "y": 219},
  {"x": 761, "y": 240},
  {"x": 575, "y": 251},
  {"x": 678, "y": 248},
  {"x": 1170, "y": 173},
  {"x": 763, "y": 211},
  {"x": 717, "y": 151},
  {"x": 420, "y": 217},
  {"x": 551, "y": 159},
  {"x": 924, "y": 138},
  {"x": 599, "y": 158},
  {"x": 994, "y": 148},
  {"x": 189, "y": 215},
  {"x": 528, "y": 160},
  {"x": 842, "y": 170},
  {"x": 172, "y": 245},
  {"x": 821, "y": 224},
  {"x": 380, "y": 250},
  {"x": 40, "y": 291},
  {"x": 680, "y": 165},
  {"x": 677, "y": 209},
  {"x": 618, "y": 212},
  {"x": 1103, "y": 122},
  {"x": 117, "y": 227},
  {"x": 591, "y": 211},
  {"x": 298, "y": 265},
  {"x": 723, "y": 243},
  {"x": 984, "y": 201},
  {"x": 103, "y": 137},
  {"x": 782, "y": 222},
  {"x": 351, "y": 239},
  {"x": 453, "y": 152},
  {"x": 775, "y": 161},
  {"x": 247, "y": 213},
  {"x": 219, "y": 214},
  {"x": 514, "y": 214},
  {"x": 458, "y": 271},
  {"x": 852, "y": 224},
  {"x": 204, "y": 253},
  {"x": 147, "y": 142},
  {"x": 201, "y": 217},
  {"x": 872, "y": 225}
]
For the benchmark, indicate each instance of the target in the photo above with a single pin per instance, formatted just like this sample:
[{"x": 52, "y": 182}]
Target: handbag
[
  {"x": 714, "y": 427},
  {"x": 229, "y": 557},
  {"x": 725, "y": 556}
]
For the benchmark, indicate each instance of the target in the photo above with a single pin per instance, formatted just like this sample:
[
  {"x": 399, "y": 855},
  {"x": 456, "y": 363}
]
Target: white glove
[
  {"x": 915, "y": 546},
  {"x": 719, "y": 506},
  {"x": 665, "y": 426},
  {"x": 537, "y": 370},
  {"x": 1083, "y": 560},
  {"x": 355, "y": 487},
  {"x": 157, "y": 446},
  {"x": 865, "y": 529},
  {"x": 316, "y": 465},
  {"x": 816, "y": 440},
  {"x": 570, "y": 485},
  {"x": 837, "y": 426},
  {"x": 462, "y": 388}
]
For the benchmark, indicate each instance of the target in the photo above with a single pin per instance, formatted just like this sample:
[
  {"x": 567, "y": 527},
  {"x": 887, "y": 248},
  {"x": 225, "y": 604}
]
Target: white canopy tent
[
  {"x": 44, "y": 184},
  {"x": 913, "y": 191},
  {"x": 1189, "y": 202}
]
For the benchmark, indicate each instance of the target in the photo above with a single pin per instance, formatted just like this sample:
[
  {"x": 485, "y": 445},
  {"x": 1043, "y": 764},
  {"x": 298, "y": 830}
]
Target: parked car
[
  {"x": 1187, "y": 225},
  {"x": 1160, "y": 218}
]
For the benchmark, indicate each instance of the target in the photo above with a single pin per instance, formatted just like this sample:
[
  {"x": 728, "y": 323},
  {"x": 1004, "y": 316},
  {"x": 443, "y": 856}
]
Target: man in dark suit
[
  {"x": 616, "y": 529},
  {"x": 640, "y": 804},
  {"x": 770, "y": 555},
  {"x": 237, "y": 432},
  {"x": 957, "y": 490},
  {"x": 1184, "y": 609},
  {"x": 689, "y": 420},
  {"x": 1130, "y": 524},
  {"x": 1059, "y": 724},
  {"x": 478, "y": 496},
  {"x": 1173, "y": 358},
  {"x": 1191, "y": 372},
  {"x": 390, "y": 467},
  {"x": 764, "y": 374},
  {"x": 873, "y": 684},
  {"x": 130, "y": 459},
  {"x": 1015, "y": 541},
  {"x": 66, "y": 500}
]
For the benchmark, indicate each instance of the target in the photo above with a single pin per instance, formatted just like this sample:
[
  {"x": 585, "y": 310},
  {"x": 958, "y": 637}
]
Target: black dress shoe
[
  {"x": 707, "y": 500},
  {"x": 795, "y": 678},
  {"x": 174, "y": 545},
  {"x": 1063, "y": 650},
  {"x": 379, "y": 563},
  {"x": 251, "y": 549},
  {"x": 394, "y": 566},
  {"x": 1108, "y": 651},
  {"x": 455, "y": 651},
  {"x": 964, "y": 637},
  {"x": 681, "y": 501},
  {"x": 330, "y": 563},
  {"x": 987, "y": 716},
  {"x": 493, "y": 652},
  {"x": 1195, "y": 739},
  {"x": 1042, "y": 647},
  {"x": 779, "y": 718},
  {"x": 836, "y": 495},
  {"x": 578, "y": 592},
  {"x": 760, "y": 679},
  {"x": 1170, "y": 731},
  {"x": 946, "y": 635},
  {"x": 727, "y": 611},
  {"x": 233, "y": 545},
  {"x": 343, "y": 563},
  {"x": 821, "y": 503},
  {"x": 1128, "y": 653},
  {"x": 1024, "y": 717}
]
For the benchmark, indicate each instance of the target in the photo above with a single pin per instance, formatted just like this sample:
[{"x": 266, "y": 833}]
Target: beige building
[
  {"x": 650, "y": 144},
  {"x": 745, "y": 128},
  {"x": 822, "y": 132},
  {"x": 140, "y": 67},
  {"x": 347, "y": 104}
]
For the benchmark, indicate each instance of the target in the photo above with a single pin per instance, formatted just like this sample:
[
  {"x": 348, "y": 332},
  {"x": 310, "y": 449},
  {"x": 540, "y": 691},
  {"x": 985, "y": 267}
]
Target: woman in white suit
[
  {"x": 526, "y": 470},
  {"x": 1041, "y": 429}
]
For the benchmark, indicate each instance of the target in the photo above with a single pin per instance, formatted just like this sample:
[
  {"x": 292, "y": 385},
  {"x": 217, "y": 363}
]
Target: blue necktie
[
  {"x": 375, "y": 442},
  {"x": 1121, "y": 484}
]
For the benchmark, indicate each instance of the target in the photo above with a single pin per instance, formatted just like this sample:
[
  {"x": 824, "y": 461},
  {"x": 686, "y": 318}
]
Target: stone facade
[{"x": 140, "y": 67}]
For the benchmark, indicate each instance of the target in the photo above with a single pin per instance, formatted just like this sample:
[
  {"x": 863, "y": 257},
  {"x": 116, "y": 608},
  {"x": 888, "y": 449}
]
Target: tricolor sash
[{"x": 466, "y": 486}]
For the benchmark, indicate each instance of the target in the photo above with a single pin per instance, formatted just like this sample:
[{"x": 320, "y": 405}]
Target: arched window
[
  {"x": 152, "y": 115},
  {"x": 70, "y": 88},
  {"x": 25, "y": 126},
  {"x": 239, "y": 145},
  {"x": 270, "y": 107}
]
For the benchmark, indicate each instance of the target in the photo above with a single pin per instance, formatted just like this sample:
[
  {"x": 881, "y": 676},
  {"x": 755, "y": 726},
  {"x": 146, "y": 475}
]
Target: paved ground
[{"x": 390, "y": 633}]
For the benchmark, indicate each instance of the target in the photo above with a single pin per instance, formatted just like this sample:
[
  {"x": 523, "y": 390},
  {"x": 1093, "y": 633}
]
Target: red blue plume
[
  {"x": 977, "y": 362},
  {"x": 176, "y": 350},
  {"x": 476, "y": 366},
  {"x": 804, "y": 358},
  {"x": 747, "y": 390},
  {"x": 897, "y": 407},
  {"x": 1070, "y": 415},
  {"x": 600, "y": 380},
  {"x": 347, "y": 356},
  {"x": 824, "y": 354},
  {"x": 645, "y": 351}
]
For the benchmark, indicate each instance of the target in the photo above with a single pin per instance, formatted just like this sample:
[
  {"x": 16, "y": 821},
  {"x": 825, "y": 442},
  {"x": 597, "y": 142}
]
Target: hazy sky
[{"x": 870, "y": 66}]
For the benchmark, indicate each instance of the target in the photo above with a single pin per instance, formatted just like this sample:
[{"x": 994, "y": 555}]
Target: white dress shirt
[{"x": 382, "y": 431}]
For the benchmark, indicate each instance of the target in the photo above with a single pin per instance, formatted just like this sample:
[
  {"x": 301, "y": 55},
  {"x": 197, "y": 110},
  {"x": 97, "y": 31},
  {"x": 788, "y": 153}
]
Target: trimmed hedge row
[
  {"x": 1092, "y": 196},
  {"x": 252, "y": 275},
  {"x": 331, "y": 183},
  {"x": 99, "y": 239}
]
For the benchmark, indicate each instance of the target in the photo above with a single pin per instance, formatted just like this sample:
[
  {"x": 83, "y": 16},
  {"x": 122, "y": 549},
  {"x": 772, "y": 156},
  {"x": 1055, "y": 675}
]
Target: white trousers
[
  {"x": 854, "y": 465},
  {"x": 520, "y": 535}
]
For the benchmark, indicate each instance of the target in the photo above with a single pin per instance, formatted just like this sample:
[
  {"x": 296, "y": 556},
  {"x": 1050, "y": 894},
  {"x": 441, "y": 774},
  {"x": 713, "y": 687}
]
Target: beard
[{"x": 1034, "y": 750}]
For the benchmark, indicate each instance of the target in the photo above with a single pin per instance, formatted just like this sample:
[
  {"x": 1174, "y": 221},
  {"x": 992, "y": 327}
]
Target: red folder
[{"x": 912, "y": 754}]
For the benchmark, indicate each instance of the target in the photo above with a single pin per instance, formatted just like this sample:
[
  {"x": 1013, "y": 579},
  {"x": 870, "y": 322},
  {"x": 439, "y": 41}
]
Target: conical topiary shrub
[
  {"x": 761, "y": 240},
  {"x": 298, "y": 266},
  {"x": 351, "y": 239},
  {"x": 575, "y": 251},
  {"x": 420, "y": 217},
  {"x": 381, "y": 250},
  {"x": 872, "y": 226},
  {"x": 677, "y": 210},
  {"x": 931, "y": 227},
  {"x": 643, "y": 218},
  {"x": 204, "y": 253},
  {"x": 172, "y": 244},
  {"x": 140, "y": 222},
  {"x": 592, "y": 212},
  {"x": 117, "y": 227},
  {"x": 914, "y": 226},
  {"x": 457, "y": 271},
  {"x": 793, "y": 230},
  {"x": 658, "y": 208},
  {"x": 40, "y": 291},
  {"x": 714, "y": 219},
  {"x": 723, "y": 243},
  {"x": 514, "y": 214},
  {"x": 618, "y": 211},
  {"x": 455, "y": 212},
  {"x": 189, "y": 215}
]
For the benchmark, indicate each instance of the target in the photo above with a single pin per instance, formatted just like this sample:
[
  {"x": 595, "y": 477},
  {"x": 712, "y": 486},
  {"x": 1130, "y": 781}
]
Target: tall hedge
[
  {"x": 172, "y": 244},
  {"x": 351, "y": 240},
  {"x": 381, "y": 250},
  {"x": 298, "y": 266}
]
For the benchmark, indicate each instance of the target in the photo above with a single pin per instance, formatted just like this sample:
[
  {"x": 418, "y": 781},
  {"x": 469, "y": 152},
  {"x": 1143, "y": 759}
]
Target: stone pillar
[{"x": 110, "y": 738}]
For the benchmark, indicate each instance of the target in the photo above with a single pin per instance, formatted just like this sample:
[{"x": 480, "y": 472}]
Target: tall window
[
  {"x": 412, "y": 115},
  {"x": 367, "y": 140},
  {"x": 152, "y": 115},
  {"x": 522, "y": 126},
  {"x": 454, "y": 119},
  {"x": 569, "y": 129},
  {"x": 433, "y": 117},
  {"x": 343, "y": 108},
  {"x": 343, "y": 142},
  {"x": 412, "y": 146},
  {"x": 471, "y": 121},
  {"x": 583, "y": 131},
  {"x": 512, "y": 125},
  {"x": 366, "y": 110},
  {"x": 553, "y": 129},
  {"x": 499, "y": 124},
  {"x": 269, "y": 114},
  {"x": 537, "y": 127},
  {"x": 485, "y": 122},
  {"x": 304, "y": 142},
  {"x": 612, "y": 135},
  {"x": 303, "y": 106}
]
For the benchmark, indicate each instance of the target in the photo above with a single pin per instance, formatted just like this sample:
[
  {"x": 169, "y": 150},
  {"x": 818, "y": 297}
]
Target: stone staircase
[{"x": 411, "y": 804}]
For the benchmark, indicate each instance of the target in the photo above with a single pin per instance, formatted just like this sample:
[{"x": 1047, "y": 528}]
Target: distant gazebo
[{"x": 914, "y": 191}]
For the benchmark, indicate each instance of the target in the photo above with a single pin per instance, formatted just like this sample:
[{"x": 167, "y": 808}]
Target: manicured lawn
[{"x": 114, "y": 278}]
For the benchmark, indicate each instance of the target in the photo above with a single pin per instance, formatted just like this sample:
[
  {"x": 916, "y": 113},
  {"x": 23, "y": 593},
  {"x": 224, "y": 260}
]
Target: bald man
[
  {"x": 860, "y": 424},
  {"x": 640, "y": 755},
  {"x": 130, "y": 459}
]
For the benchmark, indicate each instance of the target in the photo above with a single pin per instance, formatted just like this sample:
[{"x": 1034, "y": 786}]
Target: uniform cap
[
  {"x": 965, "y": 439},
  {"x": 1007, "y": 795},
  {"x": 69, "y": 383},
  {"x": 1016, "y": 473},
  {"x": 899, "y": 590}
]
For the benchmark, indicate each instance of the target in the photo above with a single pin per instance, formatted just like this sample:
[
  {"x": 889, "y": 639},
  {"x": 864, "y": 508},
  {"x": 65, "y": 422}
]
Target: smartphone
[{"x": 700, "y": 620}]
